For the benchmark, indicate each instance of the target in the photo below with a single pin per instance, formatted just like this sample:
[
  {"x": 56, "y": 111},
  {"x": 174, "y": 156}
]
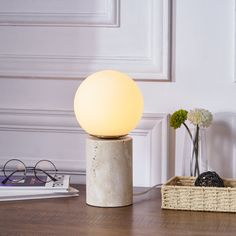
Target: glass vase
[{"x": 195, "y": 152}]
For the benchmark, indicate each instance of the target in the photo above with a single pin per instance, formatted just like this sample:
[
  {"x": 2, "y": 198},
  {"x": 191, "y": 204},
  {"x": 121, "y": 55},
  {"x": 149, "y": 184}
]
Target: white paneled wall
[{"x": 48, "y": 47}]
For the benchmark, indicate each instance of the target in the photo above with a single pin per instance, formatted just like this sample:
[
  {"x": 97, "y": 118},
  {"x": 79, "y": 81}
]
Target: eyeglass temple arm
[
  {"x": 51, "y": 177},
  {"x": 9, "y": 176}
]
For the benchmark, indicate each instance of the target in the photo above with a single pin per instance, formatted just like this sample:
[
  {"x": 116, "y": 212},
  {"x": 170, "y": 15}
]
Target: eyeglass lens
[
  {"x": 15, "y": 170},
  {"x": 45, "y": 167}
]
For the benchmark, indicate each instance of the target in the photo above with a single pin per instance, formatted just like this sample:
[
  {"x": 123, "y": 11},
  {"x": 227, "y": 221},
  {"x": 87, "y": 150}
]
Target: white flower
[{"x": 201, "y": 117}]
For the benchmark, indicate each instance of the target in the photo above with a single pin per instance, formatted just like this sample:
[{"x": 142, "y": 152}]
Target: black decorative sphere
[{"x": 209, "y": 179}]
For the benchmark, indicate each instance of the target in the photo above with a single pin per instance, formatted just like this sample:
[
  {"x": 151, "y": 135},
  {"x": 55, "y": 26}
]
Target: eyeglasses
[{"x": 15, "y": 171}]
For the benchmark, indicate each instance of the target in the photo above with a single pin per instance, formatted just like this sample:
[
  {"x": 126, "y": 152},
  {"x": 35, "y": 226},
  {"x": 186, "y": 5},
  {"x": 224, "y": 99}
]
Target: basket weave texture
[{"x": 179, "y": 193}]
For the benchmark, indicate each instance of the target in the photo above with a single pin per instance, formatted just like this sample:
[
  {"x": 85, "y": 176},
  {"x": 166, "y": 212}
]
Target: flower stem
[
  {"x": 195, "y": 142},
  {"x": 189, "y": 132},
  {"x": 196, "y": 149}
]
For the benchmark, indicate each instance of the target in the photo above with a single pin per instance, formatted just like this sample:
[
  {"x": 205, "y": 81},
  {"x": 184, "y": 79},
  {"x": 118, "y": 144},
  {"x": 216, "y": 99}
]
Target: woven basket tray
[{"x": 179, "y": 193}]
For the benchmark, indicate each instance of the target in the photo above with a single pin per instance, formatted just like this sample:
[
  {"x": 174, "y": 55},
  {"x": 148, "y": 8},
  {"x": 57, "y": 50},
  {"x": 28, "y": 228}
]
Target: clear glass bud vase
[{"x": 195, "y": 152}]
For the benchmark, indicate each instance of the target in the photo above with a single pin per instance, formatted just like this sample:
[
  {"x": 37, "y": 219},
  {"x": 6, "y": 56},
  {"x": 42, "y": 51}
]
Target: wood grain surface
[{"x": 71, "y": 216}]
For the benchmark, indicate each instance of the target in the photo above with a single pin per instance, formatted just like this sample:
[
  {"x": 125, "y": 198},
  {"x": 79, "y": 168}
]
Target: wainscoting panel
[
  {"x": 60, "y": 13},
  {"x": 31, "y": 135},
  {"x": 75, "y": 38}
]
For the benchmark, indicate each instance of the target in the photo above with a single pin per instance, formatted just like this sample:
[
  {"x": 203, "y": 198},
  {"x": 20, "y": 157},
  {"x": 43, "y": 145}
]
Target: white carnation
[{"x": 201, "y": 117}]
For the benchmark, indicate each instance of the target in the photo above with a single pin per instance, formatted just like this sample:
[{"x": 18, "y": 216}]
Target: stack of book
[{"x": 31, "y": 188}]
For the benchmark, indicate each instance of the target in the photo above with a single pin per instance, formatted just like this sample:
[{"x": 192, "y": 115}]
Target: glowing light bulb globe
[{"x": 108, "y": 104}]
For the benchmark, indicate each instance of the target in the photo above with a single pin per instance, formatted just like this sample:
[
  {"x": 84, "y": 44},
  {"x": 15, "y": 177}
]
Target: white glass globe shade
[{"x": 108, "y": 104}]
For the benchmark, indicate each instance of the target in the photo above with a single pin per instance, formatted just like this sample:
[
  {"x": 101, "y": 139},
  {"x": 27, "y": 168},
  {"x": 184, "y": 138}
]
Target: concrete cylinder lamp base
[{"x": 109, "y": 178}]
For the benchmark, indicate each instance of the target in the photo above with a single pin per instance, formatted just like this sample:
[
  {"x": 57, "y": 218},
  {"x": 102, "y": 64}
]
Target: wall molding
[
  {"x": 13, "y": 65},
  {"x": 154, "y": 65},
  {"x": 109, "y": 17},
  {"x": 152, "y": 130}
]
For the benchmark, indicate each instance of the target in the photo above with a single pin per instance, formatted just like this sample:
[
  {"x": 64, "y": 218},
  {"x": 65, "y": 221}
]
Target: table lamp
[{"x": 108, "y": 105}]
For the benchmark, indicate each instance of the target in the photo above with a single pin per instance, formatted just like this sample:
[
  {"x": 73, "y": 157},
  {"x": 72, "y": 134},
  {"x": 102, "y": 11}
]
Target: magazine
[{"x": 32, "y": 183}]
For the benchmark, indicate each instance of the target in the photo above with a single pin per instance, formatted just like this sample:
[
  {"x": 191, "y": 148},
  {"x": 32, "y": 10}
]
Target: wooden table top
[{"x": 71, "y": 216}]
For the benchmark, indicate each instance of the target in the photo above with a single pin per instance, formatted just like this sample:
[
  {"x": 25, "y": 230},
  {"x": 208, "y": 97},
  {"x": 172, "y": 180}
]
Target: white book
[
  {"x": 72, "y": 192},
  {"x": 32, "y": 183},
  {"x": 33, "y": 192}
]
